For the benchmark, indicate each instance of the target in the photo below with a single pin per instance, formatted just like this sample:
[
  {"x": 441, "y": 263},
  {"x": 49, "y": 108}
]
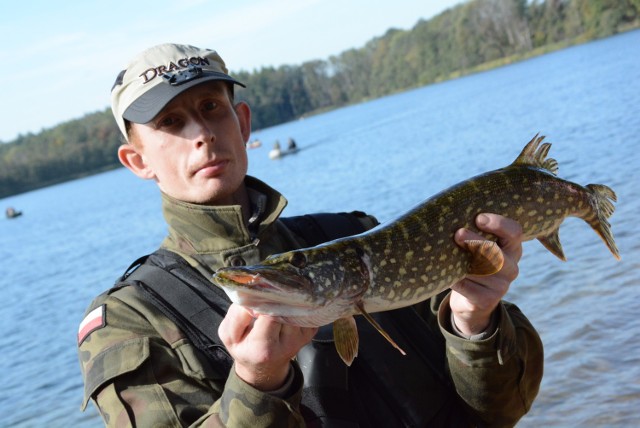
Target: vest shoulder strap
[
  {"x": 185, "y": 297},
  {"x": 323, "y": 227}
]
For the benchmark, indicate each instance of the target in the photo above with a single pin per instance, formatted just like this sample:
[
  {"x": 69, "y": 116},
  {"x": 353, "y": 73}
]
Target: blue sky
[{"x": 60, "y": 58}]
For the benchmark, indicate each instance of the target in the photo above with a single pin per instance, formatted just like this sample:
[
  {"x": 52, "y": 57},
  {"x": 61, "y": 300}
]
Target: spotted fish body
[{"x": 414, "y": 257}]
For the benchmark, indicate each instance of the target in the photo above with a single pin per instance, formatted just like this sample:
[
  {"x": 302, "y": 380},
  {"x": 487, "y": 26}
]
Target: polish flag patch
[{"x": 94, "y": 320}]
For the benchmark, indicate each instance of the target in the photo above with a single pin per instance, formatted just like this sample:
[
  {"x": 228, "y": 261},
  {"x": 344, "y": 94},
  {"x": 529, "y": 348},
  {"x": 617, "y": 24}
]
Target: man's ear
[
  {"x": 244, "y": 118},
  {"x": 131, "y": 158}
]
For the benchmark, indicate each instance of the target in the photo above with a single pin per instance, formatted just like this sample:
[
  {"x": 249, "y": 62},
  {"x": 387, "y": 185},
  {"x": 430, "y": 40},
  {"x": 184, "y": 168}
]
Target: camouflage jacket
[{"x": 141, "y": 370}]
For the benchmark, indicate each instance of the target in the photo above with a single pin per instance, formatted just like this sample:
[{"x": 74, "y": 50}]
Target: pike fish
[{"x": 414, "y": 257}]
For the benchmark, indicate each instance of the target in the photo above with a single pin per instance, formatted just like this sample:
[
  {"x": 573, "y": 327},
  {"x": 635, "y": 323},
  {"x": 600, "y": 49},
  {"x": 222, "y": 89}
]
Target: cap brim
[{"x": 149, "y": 104}]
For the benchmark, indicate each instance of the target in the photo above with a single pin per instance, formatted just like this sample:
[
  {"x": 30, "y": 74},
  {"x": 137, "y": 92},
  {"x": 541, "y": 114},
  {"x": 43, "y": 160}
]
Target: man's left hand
[{"x": 474, "y": 298}]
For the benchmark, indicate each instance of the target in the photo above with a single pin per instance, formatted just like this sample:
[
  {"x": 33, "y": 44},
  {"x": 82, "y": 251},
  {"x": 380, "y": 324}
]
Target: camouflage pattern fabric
[{"x": 499, "y": 376}]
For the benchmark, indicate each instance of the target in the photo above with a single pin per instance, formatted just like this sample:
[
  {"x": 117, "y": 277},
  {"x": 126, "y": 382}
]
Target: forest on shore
[{"x": 473, "y": 36}]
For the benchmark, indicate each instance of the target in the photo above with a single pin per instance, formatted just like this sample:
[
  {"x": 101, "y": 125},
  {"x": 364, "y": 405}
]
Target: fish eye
[{"x": 298, "y": 260}]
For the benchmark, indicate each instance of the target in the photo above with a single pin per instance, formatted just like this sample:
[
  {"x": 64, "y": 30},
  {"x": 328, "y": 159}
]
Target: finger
[
  {"x": 480, "y": 295},
  {"x": 290, "y": 331},
  {"x": 236, "y": 324},
  {"x": 474, "y": 285},
  {"x": 462, "y": 235},
  {"x": 279, "y": 341},
  {"x": 297, "y": 334},
  {"x": 508, "y": 231},
  {"x": 267, "y": 328},
  {"x": 293, "y": 338}
]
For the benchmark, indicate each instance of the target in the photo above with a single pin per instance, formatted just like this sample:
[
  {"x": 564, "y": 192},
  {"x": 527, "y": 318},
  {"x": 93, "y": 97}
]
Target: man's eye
[
  {"x": 211, "y": 105},
  {"x": 166, "y": 122}
]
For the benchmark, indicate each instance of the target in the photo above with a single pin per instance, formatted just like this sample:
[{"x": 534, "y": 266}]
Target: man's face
[{"x": 195, "y": 147}]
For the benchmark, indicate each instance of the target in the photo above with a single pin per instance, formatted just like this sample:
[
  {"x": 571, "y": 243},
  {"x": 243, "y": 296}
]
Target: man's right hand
[{"x": 261, "y": 347}]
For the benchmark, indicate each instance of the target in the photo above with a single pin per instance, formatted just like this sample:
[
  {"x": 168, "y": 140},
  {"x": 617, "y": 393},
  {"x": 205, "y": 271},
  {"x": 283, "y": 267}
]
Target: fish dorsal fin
[
  {"x": 535, "y": 154},
  {"x": 345, "y": 336},
  {"x": 552, "y": 243},
  {"x": 486, "y": 257},
  {"x": 379, "y": 328},
  {"x": 551, "y": 165}
]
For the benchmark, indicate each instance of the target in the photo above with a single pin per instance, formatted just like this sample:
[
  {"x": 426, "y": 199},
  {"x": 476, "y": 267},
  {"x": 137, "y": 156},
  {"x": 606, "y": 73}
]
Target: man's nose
[{"x": 203, "y": 132}]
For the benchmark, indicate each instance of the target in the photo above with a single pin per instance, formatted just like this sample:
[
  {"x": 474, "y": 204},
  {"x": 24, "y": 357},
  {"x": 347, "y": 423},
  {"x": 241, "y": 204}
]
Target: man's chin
[{"x": 220, "y": 195}]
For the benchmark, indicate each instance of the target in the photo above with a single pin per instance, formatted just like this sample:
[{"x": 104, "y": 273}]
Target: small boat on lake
[
  {"x": 277, "y": 152},
  {"x": 11, "y": 212},
  {"x": 254, "y": 144}
]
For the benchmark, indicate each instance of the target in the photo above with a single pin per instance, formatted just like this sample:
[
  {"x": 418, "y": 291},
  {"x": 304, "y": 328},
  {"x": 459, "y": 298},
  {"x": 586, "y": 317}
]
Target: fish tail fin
[{"x": 604, "y": 197}]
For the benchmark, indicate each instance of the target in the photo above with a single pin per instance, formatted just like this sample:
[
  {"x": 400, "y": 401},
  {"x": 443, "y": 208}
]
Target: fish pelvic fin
[
  {"x": 486, "y": 257},
  {"x": 377, "y": 326},
  {"x": 345, "y": 336},
  {"x": 552, "y": 243},
  {"x": 604, "y": 198},
  {"x": 535, "y": 154}
]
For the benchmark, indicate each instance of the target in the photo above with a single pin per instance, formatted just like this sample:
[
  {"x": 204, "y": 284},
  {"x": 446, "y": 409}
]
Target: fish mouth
[
  {"x": 266, "y": 290},
  {"x": 261, "y": 278}
]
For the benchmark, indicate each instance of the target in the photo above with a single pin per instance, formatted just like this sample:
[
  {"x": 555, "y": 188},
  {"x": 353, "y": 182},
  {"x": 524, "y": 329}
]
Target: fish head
[{"x": 298, "y": 282}]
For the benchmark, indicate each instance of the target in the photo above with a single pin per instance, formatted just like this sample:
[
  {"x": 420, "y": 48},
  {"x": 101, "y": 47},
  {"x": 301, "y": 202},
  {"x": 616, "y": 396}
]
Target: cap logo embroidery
[{"x": 151, "y": 73}]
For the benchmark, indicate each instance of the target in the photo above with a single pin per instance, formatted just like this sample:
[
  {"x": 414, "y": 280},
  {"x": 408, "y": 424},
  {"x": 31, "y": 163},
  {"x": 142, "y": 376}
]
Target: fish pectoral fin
[
  {"x": 345, "y": 336},
  {"x": 377, "y": 326},
  {"x": 552, "y": 243},
  {"x": 486, "y": 257}
]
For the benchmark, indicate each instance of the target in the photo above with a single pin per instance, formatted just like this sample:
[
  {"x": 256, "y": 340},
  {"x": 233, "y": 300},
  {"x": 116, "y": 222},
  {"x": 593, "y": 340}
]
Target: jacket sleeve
[
  {"x": 140, "y": 370},
  {"x": 498, "y": 377}
]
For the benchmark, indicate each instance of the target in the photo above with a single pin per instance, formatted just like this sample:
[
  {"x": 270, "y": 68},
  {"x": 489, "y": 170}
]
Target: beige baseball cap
[{"x": 159, "y": 74}]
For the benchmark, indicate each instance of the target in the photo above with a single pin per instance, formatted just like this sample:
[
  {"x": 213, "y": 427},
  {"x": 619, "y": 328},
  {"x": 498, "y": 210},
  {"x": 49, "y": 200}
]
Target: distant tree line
[
  {"x": 70, "y": 150},
  {"x": 456, "y": 42}
]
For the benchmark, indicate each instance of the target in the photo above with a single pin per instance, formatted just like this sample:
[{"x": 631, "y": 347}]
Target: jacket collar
[{"x": 201, "y": 229}]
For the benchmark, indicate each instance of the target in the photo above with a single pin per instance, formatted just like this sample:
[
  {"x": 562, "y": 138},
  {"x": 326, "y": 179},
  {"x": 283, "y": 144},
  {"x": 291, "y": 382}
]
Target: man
[{"x": 174, "y": 105}]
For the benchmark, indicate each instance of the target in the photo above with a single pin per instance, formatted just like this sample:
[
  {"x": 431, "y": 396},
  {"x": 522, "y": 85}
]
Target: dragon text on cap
[{"x": 153, "y": 72}]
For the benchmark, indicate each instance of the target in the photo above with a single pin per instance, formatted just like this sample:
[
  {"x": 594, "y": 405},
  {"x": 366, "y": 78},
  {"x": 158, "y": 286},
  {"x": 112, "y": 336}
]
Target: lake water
[{"x": 382, "y": 156}]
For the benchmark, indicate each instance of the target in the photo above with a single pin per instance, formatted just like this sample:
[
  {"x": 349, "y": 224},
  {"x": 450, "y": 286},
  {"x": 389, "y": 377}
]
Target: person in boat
[
  {"x": 291, "y": 144},
  {"x": 476, "y": 359},
  {"x": 11, "y": 212},
  {"x": 276, "y": 151}
]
